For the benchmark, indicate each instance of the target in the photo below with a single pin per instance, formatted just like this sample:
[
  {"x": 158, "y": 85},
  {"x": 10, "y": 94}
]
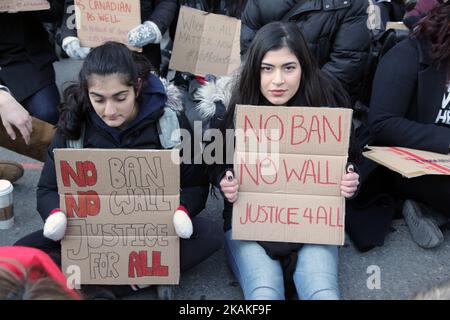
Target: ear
[{"x": 139, "y": 87}]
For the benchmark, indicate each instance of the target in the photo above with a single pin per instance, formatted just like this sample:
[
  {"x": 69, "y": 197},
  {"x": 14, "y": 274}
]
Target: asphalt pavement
[{"x": 397, "y": 270}]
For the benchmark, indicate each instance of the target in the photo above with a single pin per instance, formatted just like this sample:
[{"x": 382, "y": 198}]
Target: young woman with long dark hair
[
  {"x": 279, "y": 70},
  {"x": 118, "y": 104}
]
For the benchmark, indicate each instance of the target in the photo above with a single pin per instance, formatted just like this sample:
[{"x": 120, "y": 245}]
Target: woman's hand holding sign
[
  {"x": 229, "y": 187},
  {"x": 349, "y": 182}
]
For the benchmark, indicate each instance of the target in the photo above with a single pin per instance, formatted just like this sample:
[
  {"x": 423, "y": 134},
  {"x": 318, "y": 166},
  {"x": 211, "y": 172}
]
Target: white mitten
[
  {"x": 55, "y": 225},
  {"x": 71, "y": 46},
  {"x": 143, "y": 34},
  {"x": 182, "y": 223}
]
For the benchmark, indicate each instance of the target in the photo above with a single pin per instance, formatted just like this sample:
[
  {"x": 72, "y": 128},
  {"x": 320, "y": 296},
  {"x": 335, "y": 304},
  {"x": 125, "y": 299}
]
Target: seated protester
[
  {"x": 26, "y": 60},
  {"x": 279, "y": 70},
  {"x": 30, "y": 274},
  {"x": 156, "y": 17},
  {"x": 410, "y": 107},
  {"x": 118, "y": 103},
  {"x": 336, "y": 33}
]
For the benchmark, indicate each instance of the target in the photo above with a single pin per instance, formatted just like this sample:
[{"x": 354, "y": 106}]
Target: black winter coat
[
  {"x": 160, "y": 12},
  {"x": 144, "y": 135},
  {"x": 335, "y": 30},
  {"x": 406, "y": 99},
  {"x": 25, "y": 50}
]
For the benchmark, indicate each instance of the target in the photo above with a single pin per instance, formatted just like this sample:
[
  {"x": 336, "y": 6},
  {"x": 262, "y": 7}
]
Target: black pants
[
  {"x": 206, "y": 239},
  {"x": 391, "y": 11},
  {"x": 432, "y": 190},
  {"x": 369, "y": 216}
]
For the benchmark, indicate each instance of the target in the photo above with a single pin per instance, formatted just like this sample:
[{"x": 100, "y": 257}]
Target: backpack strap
[{"x": 78, "y": 143}]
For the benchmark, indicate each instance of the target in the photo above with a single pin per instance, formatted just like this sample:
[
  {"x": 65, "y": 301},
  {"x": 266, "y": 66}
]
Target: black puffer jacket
[{"x": 335, "y": 30}]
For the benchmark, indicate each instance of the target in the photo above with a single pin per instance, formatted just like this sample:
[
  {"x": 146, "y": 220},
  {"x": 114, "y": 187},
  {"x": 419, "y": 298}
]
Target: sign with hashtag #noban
[{"x": 206, "y": 43}]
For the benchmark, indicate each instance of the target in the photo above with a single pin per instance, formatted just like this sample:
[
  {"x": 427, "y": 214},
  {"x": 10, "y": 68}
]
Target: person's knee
[
  {"x": 322, "y": 286},
  {"x": 46, "y": 114},
  {"x": 322, "y": 294},
  {"x": 264, "y": 293}
]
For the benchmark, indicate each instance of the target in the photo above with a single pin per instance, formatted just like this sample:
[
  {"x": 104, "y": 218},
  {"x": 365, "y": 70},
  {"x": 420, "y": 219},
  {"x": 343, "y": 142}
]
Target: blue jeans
[
  {"x": 261, "y": 278},
  {"x": 44, "y": 104}
]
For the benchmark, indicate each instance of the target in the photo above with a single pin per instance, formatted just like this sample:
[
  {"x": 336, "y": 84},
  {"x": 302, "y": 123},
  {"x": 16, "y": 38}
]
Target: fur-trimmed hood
[
  {"x": 211, "y": 93},
  {"x": 174, "y": 96}
]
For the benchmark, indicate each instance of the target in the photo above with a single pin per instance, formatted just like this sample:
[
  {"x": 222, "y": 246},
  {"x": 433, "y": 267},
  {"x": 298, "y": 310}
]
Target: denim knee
[
  {"x": 322, "y": 294},
  {"x": 264, "y": 293}
]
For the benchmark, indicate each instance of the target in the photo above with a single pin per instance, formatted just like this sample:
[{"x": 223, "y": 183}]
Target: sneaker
[
  {"x": 10, "y": 170},
  {"x": 164, "y": 292},
  {"x": 438, "y": 218},
  {"x": 424, "y": 231}
]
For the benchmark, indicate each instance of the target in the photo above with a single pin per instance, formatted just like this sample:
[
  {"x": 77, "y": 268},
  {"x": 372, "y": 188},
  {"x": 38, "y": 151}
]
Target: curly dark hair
[{"x": 435, "y": 29}]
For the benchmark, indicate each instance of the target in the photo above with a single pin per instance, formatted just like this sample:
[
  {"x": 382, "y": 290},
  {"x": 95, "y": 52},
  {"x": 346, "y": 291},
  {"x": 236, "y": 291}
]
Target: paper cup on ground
[{"x": 6, "y": 204}]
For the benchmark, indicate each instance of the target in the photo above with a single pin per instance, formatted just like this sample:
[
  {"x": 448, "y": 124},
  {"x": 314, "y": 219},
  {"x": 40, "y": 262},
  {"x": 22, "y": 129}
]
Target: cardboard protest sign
[
  {"x": 206, "y": 43},
  {"x": 119, "y": 205},
  {"x": 398, "y": 25},
  {"x": 99, "y": 21},
  {"x": 289, "y": 162},
  {"x": 23, "y": 5},
  {"x": 410, "y": 163}
]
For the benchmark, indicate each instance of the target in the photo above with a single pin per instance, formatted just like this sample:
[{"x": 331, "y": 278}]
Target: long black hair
[
  {"x": 316, "y": 87},
  {"x": 107, "y": 59}
]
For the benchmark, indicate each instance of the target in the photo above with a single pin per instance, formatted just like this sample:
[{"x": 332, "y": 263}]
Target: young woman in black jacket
[
  {"x": 280, "y": 71},
  {"x": 410, "y": 107},
  {"x": 119, "y": 103}
]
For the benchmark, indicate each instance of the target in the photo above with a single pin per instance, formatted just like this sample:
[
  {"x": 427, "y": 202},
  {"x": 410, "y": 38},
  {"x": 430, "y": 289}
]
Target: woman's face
[
  {"x": 113, "y": 101},
  {"x": 280, "y": 76}
]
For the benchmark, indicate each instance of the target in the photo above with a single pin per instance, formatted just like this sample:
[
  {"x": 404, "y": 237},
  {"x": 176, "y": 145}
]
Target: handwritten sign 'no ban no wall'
[
  {"x": 23, "y": 5},
  {"x": 289, "y": 162},
  {"x": 119, "y": 205},
  {"x": 99, "y": 21}
]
